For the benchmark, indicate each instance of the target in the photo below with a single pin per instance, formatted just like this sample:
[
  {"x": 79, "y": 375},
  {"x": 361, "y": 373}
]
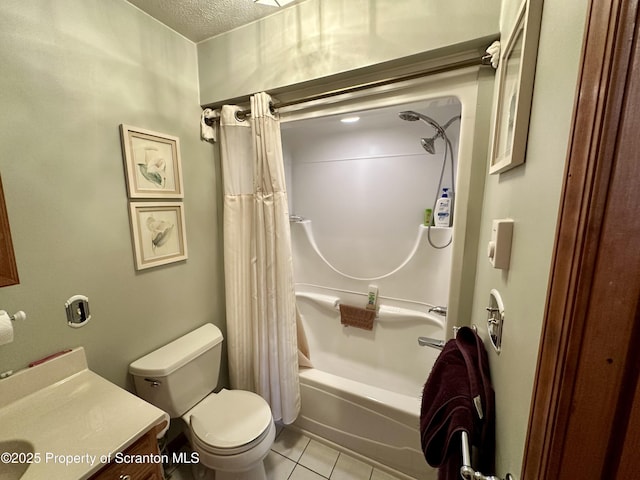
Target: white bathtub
[
  {"x": 365, "y": 388},
  {"x": 377, "y": 424}
]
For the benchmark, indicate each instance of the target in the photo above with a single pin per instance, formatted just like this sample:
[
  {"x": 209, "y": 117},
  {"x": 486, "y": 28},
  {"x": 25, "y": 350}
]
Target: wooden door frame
[{"x": 587, "y": 371}]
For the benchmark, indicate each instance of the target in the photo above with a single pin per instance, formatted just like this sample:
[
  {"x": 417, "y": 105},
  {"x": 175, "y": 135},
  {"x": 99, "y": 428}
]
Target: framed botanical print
[
  {"x": 515, "y": 77},
  {"x": 158, "y": 231},
  {"x": 152, "y": 163}
]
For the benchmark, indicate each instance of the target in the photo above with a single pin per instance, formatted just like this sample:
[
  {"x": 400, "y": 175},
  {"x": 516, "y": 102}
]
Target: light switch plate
[{"x": 499, "y": 250}]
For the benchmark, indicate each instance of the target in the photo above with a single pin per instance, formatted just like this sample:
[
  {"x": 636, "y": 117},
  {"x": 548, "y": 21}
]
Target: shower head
[{"x": 429, "y": 144}]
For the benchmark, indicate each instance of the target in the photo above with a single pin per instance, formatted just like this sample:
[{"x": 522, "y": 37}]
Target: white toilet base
[{"x": 248, "y": 465}]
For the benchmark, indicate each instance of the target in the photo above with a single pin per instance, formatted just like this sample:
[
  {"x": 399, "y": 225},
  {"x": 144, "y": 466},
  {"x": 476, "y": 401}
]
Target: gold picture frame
[
  {"x": 152, "y": 163},
  {"x": 159, "y": 234},
  {"x": 8, "y": 267},
  {"x": 515, "y": 77}
]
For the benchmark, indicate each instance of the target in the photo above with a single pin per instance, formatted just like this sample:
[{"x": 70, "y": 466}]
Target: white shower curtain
[{"x": 260, "y": 296}]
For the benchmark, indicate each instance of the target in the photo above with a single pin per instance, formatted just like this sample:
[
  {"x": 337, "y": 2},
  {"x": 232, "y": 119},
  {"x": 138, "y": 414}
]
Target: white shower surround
[
  {"x": 473, "y": 90},
  {"x": 351, "y": 396}
]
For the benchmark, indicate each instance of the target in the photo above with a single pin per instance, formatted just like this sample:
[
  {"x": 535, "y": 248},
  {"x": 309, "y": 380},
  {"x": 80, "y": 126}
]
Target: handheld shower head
[{"x": 409, "y": 116}]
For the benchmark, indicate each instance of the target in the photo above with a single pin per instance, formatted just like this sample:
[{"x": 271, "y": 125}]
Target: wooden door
[{"x": 585, "y": 416}]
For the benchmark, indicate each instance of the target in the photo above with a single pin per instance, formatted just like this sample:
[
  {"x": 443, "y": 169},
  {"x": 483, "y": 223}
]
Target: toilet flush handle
[{"x": 154, "y": 383}]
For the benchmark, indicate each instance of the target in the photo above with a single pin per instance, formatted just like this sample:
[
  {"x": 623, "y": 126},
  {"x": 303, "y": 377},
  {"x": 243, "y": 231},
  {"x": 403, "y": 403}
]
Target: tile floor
[{"x": 295, "y": 456}]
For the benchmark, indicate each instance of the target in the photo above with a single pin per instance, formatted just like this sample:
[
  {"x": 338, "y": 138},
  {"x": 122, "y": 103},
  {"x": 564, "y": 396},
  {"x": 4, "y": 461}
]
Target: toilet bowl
[{"x": 232, "y": 431}]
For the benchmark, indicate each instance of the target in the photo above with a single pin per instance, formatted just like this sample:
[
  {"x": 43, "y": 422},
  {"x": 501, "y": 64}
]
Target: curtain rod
[{"x": 485, "y": 60}]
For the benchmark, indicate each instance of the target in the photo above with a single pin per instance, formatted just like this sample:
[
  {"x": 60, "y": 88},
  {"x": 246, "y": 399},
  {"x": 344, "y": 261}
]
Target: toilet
[{"x": 232, "y": 431}]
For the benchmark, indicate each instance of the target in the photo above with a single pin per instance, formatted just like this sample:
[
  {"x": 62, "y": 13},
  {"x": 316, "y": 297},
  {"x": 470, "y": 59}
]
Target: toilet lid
[{"x": 230, "y": 418}]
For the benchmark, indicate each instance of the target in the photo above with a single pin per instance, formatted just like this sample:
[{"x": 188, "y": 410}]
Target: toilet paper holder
[{"x": 6, "y": 329}]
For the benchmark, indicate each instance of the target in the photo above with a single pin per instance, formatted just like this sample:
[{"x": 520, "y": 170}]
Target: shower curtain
[{"x": 260, "y": 296}]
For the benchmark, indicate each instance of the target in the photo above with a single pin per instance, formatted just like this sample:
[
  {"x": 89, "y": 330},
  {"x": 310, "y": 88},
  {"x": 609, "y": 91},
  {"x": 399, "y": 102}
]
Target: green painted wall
[
  {"x": 319, "y": 38},
  {"x": 72, "y": 72},
  {"x": 529, "y": 194}
]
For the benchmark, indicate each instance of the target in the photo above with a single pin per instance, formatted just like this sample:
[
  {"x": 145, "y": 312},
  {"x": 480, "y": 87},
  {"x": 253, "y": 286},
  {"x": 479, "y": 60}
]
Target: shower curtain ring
[{"x": 241, "y": 115}]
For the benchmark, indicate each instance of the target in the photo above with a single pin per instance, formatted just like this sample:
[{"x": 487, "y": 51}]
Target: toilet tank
[{"x": 177, "y": 376}]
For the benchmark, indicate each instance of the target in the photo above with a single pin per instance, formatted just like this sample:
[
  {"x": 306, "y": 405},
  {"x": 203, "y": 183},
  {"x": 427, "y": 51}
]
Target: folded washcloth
[
  {"x": 208, "y": 129},
  {"x": 493, "y": 54},
  {"x": 458, "y": 396}
]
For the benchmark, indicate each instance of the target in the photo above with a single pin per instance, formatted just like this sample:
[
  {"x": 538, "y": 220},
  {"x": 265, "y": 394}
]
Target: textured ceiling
[{"x": 201, "y": 19}]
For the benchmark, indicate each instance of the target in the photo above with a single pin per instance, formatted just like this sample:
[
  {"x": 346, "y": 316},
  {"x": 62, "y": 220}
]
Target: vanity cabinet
[
  {"x": 36, "y": 401},
  {"x": 145, "y": 446}
]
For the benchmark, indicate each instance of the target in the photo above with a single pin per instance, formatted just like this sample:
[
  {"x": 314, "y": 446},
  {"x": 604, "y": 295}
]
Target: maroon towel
[{"x": 458, "y": 396}]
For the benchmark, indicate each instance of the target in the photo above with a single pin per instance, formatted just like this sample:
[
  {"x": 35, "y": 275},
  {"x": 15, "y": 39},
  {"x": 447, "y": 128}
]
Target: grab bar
[
  {"x": 401, "y": 313},
  {"x": 321, "y": 299},
  {"x": 384, "y": 312},
  {"x": 466, "y": 470}
]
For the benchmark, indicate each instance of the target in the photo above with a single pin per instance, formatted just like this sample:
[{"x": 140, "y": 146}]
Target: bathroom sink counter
[{"x": 76, "y": 420}]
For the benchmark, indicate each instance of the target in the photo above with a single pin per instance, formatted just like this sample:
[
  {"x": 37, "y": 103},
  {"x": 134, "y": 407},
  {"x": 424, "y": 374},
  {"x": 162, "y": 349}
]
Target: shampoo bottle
[{"x": 443, "y": 210}]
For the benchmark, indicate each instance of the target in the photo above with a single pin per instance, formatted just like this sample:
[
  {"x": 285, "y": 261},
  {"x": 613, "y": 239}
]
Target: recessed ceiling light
[
  {"x": 273, "y": 3},
  {"x": 349, "y": 119}
]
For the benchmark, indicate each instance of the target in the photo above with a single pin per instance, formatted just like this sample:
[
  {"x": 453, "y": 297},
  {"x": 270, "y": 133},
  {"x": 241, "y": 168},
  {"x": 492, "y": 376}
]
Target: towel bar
[
  {"x": 466, "y": 470},
  {"x": 439, "y": 344}
]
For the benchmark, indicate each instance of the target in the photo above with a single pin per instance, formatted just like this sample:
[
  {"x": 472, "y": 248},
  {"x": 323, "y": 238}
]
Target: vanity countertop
[{"x": 76, "y": 420}]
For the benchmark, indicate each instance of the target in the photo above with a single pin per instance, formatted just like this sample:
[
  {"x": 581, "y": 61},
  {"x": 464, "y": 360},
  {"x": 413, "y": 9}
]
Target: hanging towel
[
  {"x": 208, "y": 132},
  {"x": 357, "y": 317},
  {"x": 458, "y": 396},
  {"x": 304, "y": 357}
]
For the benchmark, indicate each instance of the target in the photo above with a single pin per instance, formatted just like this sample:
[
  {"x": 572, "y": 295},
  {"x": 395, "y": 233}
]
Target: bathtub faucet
[
  {"x": 438, "y": 310},
  {"x": 431, "y": 342}
]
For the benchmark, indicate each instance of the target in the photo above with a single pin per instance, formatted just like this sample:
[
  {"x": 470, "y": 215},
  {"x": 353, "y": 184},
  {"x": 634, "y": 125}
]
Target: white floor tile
[
  {"x": 302, "y": 473},
  {"x": 291, "y": 444},
  {"x": 349, "y": 468},
  {"x": 380, "y": 475},
  {"x": 278, "y": 467},
  {"x": 317, "y": 462},
  {"x": 319, "y": 458}
]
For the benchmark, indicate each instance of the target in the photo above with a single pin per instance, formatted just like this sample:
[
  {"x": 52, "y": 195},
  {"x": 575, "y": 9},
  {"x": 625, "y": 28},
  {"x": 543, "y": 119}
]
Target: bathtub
[{"x": 364, "y": 390}]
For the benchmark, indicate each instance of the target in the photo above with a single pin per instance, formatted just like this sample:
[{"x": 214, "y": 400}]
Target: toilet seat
[{"x": 230, "y": 422}]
